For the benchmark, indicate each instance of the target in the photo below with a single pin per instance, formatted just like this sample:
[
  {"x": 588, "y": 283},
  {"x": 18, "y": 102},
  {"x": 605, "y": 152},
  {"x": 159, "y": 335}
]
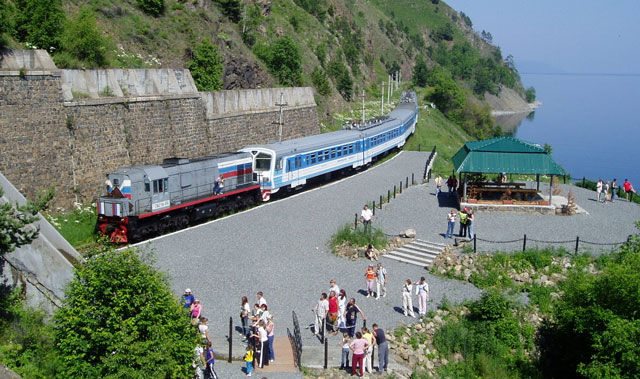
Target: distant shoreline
[{"x": 532, "y": 107}]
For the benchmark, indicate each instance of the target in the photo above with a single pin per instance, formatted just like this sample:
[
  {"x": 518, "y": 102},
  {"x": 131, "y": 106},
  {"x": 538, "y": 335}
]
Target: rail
[
  {"x": 296, "y": 341},
  {"x": 562, "y": 243}
]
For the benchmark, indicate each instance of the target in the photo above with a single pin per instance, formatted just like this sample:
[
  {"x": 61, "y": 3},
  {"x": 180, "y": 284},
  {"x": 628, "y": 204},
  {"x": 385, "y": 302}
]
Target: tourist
[
  {"x": 334, "y": 287},
  {"x": 270, "y": 327},
  {"x": 345, "y": 342},
  {"x": 367, "y": 362},
  {"x": 454, "y": 183},
  {"x": 371, "y": 253},
  {"x": 210, "y": 361},
  {"x": 381, "y": 283},
  {"x": 204, "y": 330},
  {"x": 219, "y": 186},
  {"x": 263, "y": 341},
  {"x": 358, "y": 346},
  {"x": 351, "y": 315},
  {"x": 471, "y": 219},
  {"x": 628, "y": 188},
  {"x": 450, "y": 183},
  {"x": 332, "y": 315},
  {"x": 614, "y": 188},
  {"x": 248, "y": 359},
  {"x": 342, "y": 305},
  {"x": 196, "y": 312},
  {"x": 367, "y": 218},
  {"x": 438, "y": 185},
  {"x": 187, "y": 299},
  {"x": 321, "y": 310},
  {"x": 383, "y": 348},
  {"x": 422, "y": 290},
  {"x": 261, "y": 299},
  {"x": 463, "y": 222},
  {"x": 370, "y": 276},
  {"x": 264, "y": 315},
  {"x": 451, "y": 223},
  {"x": 245, "y": 311},
  {"x": 606, "y": 192},
  {"x": 599, "y": 190},
  {"x": 407, "y": 301}
]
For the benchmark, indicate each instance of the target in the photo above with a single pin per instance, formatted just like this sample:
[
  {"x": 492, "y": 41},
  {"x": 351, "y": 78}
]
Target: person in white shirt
[
  {"x": 422, "y": 289},
  {"x": 367, "y": 217},
  {"x": 321, "y": 310},
  {"x": 381, "y": 281},
  {"x": 438, "y": 185},
  {"x": 407, "y": 301},
  {"x": 334, "y": 287},
  {"x": 264, "y": 344},
  {"x": 261, "y": 300}
]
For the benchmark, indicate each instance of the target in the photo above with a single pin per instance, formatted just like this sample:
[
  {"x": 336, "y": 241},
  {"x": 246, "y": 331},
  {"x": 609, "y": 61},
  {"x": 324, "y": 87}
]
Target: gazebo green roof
[{"x": 505, "y": 154}]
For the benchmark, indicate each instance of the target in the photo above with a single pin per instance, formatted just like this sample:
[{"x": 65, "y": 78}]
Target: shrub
[
  {"x": 320, "y": 81},
  {"x": 359, "y": 237},
  {"x": 283, "y": 59},
  {"x": 39, "y": 22},
  {"x": 206, "y": 66},
  {"x": 420, "y": 73},
  {"x": 120, "y": 319},
  {"x": 83, "y": 42},
  {"x": 152, "y": 7},
  {"x": 491, "y": 306},
  {"x": 530, "y": 94},
  {"x": 229, "y": 8}
]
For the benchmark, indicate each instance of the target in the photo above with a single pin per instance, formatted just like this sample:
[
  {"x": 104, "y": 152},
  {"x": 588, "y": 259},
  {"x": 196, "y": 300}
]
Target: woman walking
[
  {"x": 614, "y": 187},
  {"x": 196, "y": 312},
  {"x": 358, "y": 346},
  {"x": 422, "y": 288},
  {"x": 370, "y": 276}
]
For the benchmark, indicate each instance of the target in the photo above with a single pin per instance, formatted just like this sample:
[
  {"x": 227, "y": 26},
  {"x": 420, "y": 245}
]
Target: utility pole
[
  {"x": 280, "y": 122},
  {"x": 362, "y": 107},
  {"x": 397, "y": 78},
  {"x": 382, "y": 101},
  {"x": 389, "y": 91}
]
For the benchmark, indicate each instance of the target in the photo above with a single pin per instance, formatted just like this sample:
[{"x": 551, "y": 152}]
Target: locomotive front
[{"x": 115, "y": 208}]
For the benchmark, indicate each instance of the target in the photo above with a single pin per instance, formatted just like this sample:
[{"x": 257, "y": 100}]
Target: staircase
[{"x": 418, "y": 252}]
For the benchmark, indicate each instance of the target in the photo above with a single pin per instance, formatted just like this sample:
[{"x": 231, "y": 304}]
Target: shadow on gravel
[{"x": 446, "y": 200}]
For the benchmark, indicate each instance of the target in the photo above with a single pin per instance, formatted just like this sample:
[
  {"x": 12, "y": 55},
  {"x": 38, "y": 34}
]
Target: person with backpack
[{"x": 209, "y": 362}]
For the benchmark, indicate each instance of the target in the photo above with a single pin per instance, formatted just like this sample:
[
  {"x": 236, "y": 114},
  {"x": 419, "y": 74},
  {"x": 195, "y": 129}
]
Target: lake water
[{"x": 592, "y": 123}]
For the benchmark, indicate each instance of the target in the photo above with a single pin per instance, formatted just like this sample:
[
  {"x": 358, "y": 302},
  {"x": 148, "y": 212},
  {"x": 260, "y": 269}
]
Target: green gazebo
[{"x": 504, "y": 155}]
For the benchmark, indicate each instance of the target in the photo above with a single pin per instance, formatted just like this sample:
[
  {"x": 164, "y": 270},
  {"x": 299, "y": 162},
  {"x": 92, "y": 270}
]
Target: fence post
[
  {"x": 629, "y": 238},
  {"x": 474, "y": 243},
  {"x": 577, "y": 243},
  {"x": 524, "y": 243},
  {"x": 394, "y": 191},
  {"x": 564, "y": 179},
  {"x": 406, "y": 182},
  {"x": 374, "y": 207},
  {"x": 413, "y": 179},
  {"x": 380, "y": 201},
  {"x": 401, "y": 187},
  {"x": 326, "y": 353},
  {"x": 583, "y": 179},
  {"x": 388, "y": 196},
  {"x": 324, "y": 328},
  {"x": 355, "y": 222},
  {"x": 419, "y": 147},
  {"x": 230, "y": 338}
]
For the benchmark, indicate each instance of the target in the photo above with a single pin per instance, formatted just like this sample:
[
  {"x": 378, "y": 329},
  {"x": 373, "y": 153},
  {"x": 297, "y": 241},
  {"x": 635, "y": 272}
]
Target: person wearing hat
[
  {"x": 187, "y": 299},
  {"x": 463, "y": 222}
]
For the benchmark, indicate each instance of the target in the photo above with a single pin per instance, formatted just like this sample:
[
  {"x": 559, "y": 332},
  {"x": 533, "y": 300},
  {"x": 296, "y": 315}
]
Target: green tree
[
  {"x": 230, "y": 8},
  {"x": 530, "y": 94},
  {"x": 120, "y": 319},
  {"x": 15, "y": 221},
  {"x": 39, "y": 22},
  {"x": 445, "y": 94},
  {"x": 84, "y": 43},
  {"x": 206, "y": 66},
  {"x": 285, "y": 62},
  {"x": 341, "y": 77},
  {"x": 152, "y": 7},
  {"x": 5, "y": 20},
  {"x": 320, "y": 81},
  {"x": 420, "y": 73}
]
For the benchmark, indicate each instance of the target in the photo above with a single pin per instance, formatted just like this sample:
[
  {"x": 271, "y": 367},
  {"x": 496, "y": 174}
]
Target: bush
[
  {"x": 492, "y": 306},
  {"x": 206, "y": 66},
  {"x": 152, "y": 7},
  {"x": 120, "y": 319},
  {"x": 320, "y": 81},
  {"x": 530, "y": 94},
  {"x": 283, "y": 59},
  {"x": 340, "y": 75},
  {"x": 83, "y": 43},
  {"x": 39, "y": 22},
  {"x": 420, "y": 73},
  {"x": 229, "y": 8},
  {"x": 359, "y": 237}
]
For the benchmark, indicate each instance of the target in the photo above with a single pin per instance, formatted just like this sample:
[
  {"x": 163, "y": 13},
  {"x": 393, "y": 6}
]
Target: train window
[
  {"x": 263, "y": 162},
  {"x": 320, "y": 156},
  {"x": 313, "y": 158},
  {"x": 298, "y": 162},
  {"x": 351, "y": 149},
  {"x": 333, "y": 153},
  {"x": 339, "y": 151},
  {"x": 289, "y": 165},
  {"x": 279, "y": 164},
  {"x": 147, "y": 185},
  {"x": 326, "y": 155},
  {"x": 155, "y": 186},
  {"x": 166, "y": 184},
  {"x": 344, "y": 150}
]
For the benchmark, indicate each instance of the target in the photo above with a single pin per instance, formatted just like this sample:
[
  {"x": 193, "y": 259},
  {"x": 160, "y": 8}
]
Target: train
[{"x": 147, "y": 200}]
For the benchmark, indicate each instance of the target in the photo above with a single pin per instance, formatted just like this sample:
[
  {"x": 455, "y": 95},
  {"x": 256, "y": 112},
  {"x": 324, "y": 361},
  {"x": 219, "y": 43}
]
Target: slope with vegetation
[{"x": 341, "y": 47}]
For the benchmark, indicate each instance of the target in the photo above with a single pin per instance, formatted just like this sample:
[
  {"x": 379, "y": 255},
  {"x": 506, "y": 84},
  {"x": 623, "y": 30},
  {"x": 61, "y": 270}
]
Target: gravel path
[
  {"x": 608, "y": 222},
  {"x": 282, "y": 249}
]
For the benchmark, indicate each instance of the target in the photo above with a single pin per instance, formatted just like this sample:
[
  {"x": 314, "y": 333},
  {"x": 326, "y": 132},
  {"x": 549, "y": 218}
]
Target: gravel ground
[
  {"x": 282, "y": 249},
  {"x": 606, "y": 223}
]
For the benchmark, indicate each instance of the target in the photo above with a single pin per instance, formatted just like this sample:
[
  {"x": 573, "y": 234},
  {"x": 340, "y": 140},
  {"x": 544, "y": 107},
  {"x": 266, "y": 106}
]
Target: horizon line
[{"x": 581, "y": 73}]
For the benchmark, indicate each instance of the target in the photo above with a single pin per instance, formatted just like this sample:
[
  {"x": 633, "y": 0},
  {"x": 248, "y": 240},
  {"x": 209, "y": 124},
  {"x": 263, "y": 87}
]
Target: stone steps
[{"x": 417, "y": 252}]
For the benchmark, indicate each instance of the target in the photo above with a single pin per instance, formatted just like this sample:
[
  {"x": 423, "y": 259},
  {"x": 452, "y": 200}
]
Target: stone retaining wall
[{"x": 51, "y": 133}]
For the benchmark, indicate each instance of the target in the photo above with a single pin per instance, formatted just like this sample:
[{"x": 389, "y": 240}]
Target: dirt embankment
[{"x": 508, "y": 101}]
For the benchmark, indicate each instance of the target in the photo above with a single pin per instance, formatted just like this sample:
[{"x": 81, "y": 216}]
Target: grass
[
  {"x": 76, "y": 226},
  {"x": 359, "y": 237}
]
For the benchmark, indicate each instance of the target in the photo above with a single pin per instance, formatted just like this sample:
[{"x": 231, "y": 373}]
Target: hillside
[{"x": 340, "y": 47}]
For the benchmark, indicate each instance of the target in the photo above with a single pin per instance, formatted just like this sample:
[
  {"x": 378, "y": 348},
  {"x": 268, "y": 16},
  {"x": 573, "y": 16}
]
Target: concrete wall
[{"x": 63, "y": 127}]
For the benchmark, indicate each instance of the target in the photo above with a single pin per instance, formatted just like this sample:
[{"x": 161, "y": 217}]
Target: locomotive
[{"x": 152, "y": 199}]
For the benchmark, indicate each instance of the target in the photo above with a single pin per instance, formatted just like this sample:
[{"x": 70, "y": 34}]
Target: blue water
[{"x": 591, "y": 122}]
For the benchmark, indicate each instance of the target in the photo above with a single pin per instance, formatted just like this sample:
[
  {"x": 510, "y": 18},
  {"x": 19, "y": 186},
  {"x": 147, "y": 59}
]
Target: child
[
  {"x": 345, "y": 351},
  {"x": 248, "y": 359}
]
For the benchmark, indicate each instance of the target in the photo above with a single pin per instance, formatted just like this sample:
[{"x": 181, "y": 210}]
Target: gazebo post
[
  {"x": 464, "y": 194},
  {"x": 551, "y": 190},
  {"x": 537, "y": 182}
]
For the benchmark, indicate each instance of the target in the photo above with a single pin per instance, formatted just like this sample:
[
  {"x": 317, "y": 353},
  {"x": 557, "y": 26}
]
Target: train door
[{"x": 292, "y": 169}]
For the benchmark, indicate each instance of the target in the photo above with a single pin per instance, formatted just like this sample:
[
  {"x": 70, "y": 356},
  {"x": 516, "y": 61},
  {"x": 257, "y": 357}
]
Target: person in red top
[
  {"x": 332, "y": 317},
  {"x": 370, "y": 276},
  {"x": 628, "y": 188}
]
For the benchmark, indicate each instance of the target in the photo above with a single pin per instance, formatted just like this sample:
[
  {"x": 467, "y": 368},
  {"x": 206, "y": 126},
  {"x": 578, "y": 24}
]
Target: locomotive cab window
[
  {"x": 147, "y": 185},
  {"x": 160, "y": 185},
  {"x": 263, "y": 162},
  {"x": 279, "y": 164}
]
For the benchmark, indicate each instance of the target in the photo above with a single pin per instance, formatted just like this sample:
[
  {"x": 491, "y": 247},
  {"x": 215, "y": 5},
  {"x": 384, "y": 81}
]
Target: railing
[
  {"x": 427, "y": 166},
  {"x": 296, "y": 341},
  {"x": 562, "y": 243}
]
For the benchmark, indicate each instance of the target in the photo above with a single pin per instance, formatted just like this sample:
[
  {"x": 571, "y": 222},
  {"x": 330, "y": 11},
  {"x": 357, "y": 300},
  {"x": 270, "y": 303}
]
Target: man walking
[
  {"x": 438, "y": 185},
  {"x": 381, "y": 275},
  {"x": 367, "y": 217},
  {"x": 383, "y": 348},
  {"x": 321, "y": 309}
]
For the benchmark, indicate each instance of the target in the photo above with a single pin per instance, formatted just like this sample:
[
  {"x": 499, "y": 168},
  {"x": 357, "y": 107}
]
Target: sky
[{"x": 572, "y": 36}]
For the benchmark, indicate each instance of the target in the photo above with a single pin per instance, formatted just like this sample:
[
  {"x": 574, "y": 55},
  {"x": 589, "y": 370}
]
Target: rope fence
[{"x": 524, "y": 240}]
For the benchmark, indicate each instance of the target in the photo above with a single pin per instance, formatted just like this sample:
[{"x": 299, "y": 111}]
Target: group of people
[
  {"x": 467, "y": 221},
  {"x": 336, "y": 312},
  {"x": 452, "y": 184},
  {"x": 361, "y": 347},
  {"x": 258, "y": 328},
  {"x": 204, "y": 358},
  {"x": 607, "y": 190}
]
